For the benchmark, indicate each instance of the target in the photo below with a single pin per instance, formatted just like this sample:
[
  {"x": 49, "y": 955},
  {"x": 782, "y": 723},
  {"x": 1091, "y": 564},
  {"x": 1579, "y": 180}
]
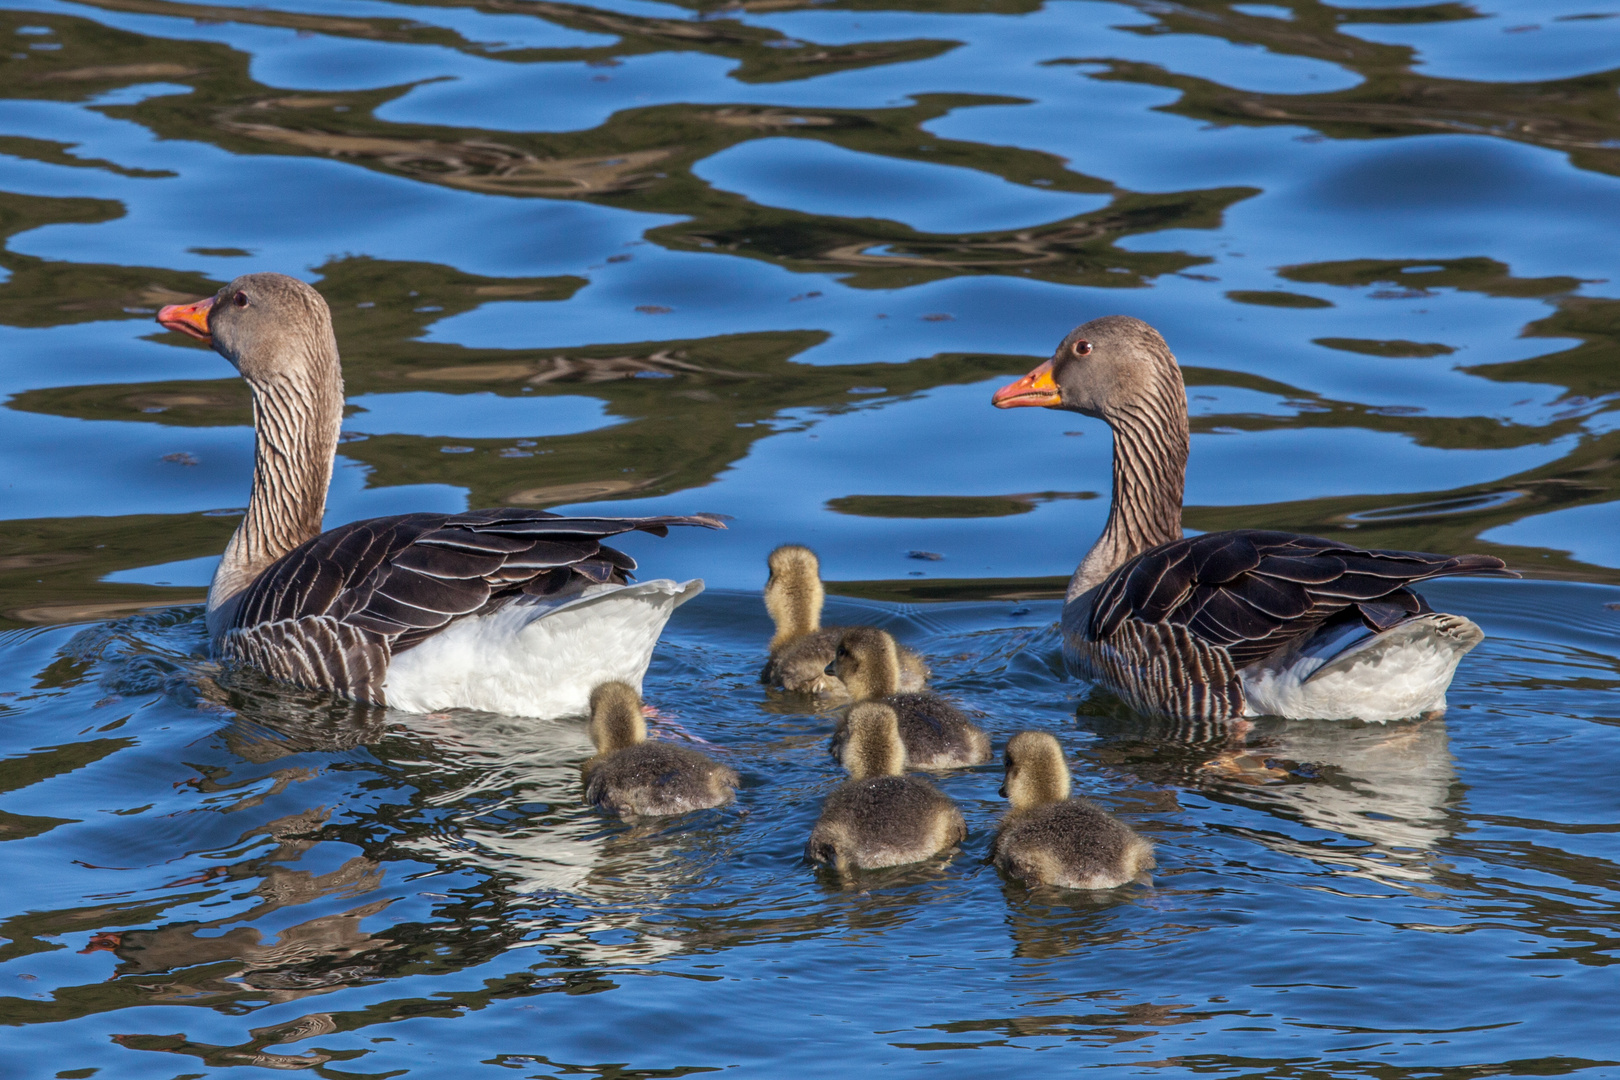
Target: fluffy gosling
[
  {"x": 879, "y": 817},
  {"x": 1048, "y": 838},
  {"x": 631, "y": 776},
  {"x": 802, "y": 648},
  {"x": 936, "y": 734}
]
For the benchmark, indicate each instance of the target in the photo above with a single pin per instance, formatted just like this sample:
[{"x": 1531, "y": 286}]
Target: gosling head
[
  {"x": 272, "y": 327},
  {"x": 793, "y": 592},
  {"x": 616, "y": 719},
  {"x": 1036, "y": 772},
  {"x": 868, "y": 663},
  {"x": 874, "y": 746},
  {"x": 1102, "y": 369}
]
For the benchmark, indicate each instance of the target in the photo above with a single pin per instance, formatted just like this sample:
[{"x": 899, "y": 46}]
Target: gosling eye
[
  {"x": 240, "y": 299},
  {"x": 1080, "y": 347}
]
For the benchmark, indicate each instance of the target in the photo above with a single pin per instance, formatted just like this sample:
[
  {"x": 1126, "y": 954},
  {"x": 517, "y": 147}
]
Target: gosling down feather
[
  {"x": 879, "y": 817},
  {"x": 1238, "y": 623},
  {"x": 1048, "y": 838},
  {"x": 503, "y": 610},
  {"x": 934, "y": 733},
  {"x": 631, "y": 776},
  {"x": 802, "y": 648}
]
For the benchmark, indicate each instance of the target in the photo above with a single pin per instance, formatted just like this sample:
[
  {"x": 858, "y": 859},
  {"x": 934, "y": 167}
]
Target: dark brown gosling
[
  {"x": 802, "y": 648},
  {"x": 935, "y": 733},
  {"x": 1048, "y": 838},
  {"x": 879, "y": 817},
  {"x": 631, "y": 776}
]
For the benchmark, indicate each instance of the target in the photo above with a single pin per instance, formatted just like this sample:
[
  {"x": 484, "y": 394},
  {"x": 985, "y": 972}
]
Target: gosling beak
[
  {"x": 1036, "y": 388},
  {"x": 191, "y": 319}
]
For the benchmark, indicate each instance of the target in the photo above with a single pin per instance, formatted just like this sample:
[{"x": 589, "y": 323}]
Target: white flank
[
  {"x": 536, "y": 658},
  {"x": 1353, "y": 674}
]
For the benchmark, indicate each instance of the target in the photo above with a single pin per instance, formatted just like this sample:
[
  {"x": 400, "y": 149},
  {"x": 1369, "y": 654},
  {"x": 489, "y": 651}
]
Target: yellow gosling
[
  {"x": 935, "y": 733},
  {"x": 631, "y": 776},
  {"x": 801, "y": 647},
  {"x": 879, "y": 817},
  {"x": 1048, "y": 838}
]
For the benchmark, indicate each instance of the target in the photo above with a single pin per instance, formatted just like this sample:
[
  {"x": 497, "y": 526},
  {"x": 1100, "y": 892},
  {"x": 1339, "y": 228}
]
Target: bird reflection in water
[
  {"x": 1386, "y": 787},
  {"x": 1389, "y": 786},
  {"x": 315, "y": 956},
  {"x": 499, "y": 796},
  {"x": 1049, "y": 922},
  {"x": 508, "y": 804}
]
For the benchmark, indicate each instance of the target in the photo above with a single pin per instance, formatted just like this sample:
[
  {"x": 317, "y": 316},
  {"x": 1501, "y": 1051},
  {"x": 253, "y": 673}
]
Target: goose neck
[
  {"x": 296, "y": 419},
  {"x": 1150, "y": 466}
]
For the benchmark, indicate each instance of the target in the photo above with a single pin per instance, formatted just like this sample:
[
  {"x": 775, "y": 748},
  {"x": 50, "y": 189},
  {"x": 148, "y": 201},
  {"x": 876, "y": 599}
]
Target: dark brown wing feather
[
  {"x": 383, "y": 585},
  {"x": 1253, "y": 593}
]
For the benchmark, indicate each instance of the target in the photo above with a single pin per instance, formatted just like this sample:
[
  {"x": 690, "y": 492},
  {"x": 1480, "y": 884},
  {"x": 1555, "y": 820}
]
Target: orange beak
[
  {"x": 189, "y": 319},
  {"x": 1036, "y": 388}
]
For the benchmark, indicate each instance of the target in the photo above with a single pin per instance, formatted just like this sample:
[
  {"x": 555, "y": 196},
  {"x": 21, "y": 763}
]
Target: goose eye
[
  {"x": 240, "y": 299},
  {"x": 1082, "y": 347}
]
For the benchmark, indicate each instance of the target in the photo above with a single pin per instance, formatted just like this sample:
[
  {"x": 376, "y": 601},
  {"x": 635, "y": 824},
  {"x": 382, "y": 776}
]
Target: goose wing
[
  {"x": 1250, "y": 593},
  {"x": 330, "y": 613}
]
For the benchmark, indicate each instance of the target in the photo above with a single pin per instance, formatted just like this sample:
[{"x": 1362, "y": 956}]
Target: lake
[{"x": 769, "y": 260}]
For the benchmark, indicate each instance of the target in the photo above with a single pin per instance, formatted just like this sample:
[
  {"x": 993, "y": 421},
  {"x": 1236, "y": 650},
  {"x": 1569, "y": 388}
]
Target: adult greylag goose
[
  {"x": 632, "y": 776},
  {"x": 802, "y": 648},
  {"x": 1238, "y": 623},
  {"x": 1048, "y": 838},
  {"x": 502, "y": 610},
  {"x": 934, "y": 733},
  {"x": 879, "y": 817}
]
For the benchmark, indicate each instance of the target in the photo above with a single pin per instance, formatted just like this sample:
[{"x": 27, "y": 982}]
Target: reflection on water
[
  {"x": 307, "y": 847},
  {"x": 1385, "y": 785},
  {"x": 768, "y": 259}
]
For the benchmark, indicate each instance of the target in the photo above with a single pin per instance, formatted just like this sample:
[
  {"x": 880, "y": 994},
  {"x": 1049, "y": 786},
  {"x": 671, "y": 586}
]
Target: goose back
[
  {"x": 656, "y": 778},
  {"x": 332, "y": 612},
  {"x": 1073, "y": 844},
  {"x": 882, "y": 821},
  {"x": 935, "y": 733},
  {"x": 1172, "y": 630}
]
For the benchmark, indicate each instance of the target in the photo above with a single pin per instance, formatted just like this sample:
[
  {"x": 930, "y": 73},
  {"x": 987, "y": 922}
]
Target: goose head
[
  {"x": 1036, "y": 773},
  {"x": 874, "y": 746},
  {"x": 271, "y": 327},
  {"x": 1120, "y": 370},
  {"x": 616, "y": 717},
  {"x": 1103, "y": 369},
  {"x": 793, "y": 593},
  {"x": 868, "y": 663}
]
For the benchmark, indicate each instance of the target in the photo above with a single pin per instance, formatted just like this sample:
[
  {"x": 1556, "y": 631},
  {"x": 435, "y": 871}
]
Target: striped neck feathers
[
  {"x": 793, "y": 593},
  {"x": 297, "y": 414},
  {"x": 874, "y": 747},
  {"x": 1036, "y": 774},
  {"x": 868, "y": 664},
  {"x": 1150, "y": 468}
]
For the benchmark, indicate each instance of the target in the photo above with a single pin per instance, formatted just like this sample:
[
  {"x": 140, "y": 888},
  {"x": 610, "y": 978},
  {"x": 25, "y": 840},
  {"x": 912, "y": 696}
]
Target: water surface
[{"x": 770, "y": 260}]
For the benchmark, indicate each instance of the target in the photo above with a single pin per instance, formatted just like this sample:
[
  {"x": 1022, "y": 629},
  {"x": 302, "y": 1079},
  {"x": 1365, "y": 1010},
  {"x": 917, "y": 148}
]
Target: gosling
[
  {"x": 879, "y": 817},
  {"x": 936, "y": 734},
  {"x": 1048, "y": 838},
  {"x": 631, "y": 776},
  {"x": 802, "y": 648}
]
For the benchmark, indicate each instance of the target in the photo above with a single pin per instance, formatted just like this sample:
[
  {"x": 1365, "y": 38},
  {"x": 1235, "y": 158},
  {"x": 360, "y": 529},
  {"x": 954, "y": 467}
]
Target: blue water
[{"x": 771, "y": 261}]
